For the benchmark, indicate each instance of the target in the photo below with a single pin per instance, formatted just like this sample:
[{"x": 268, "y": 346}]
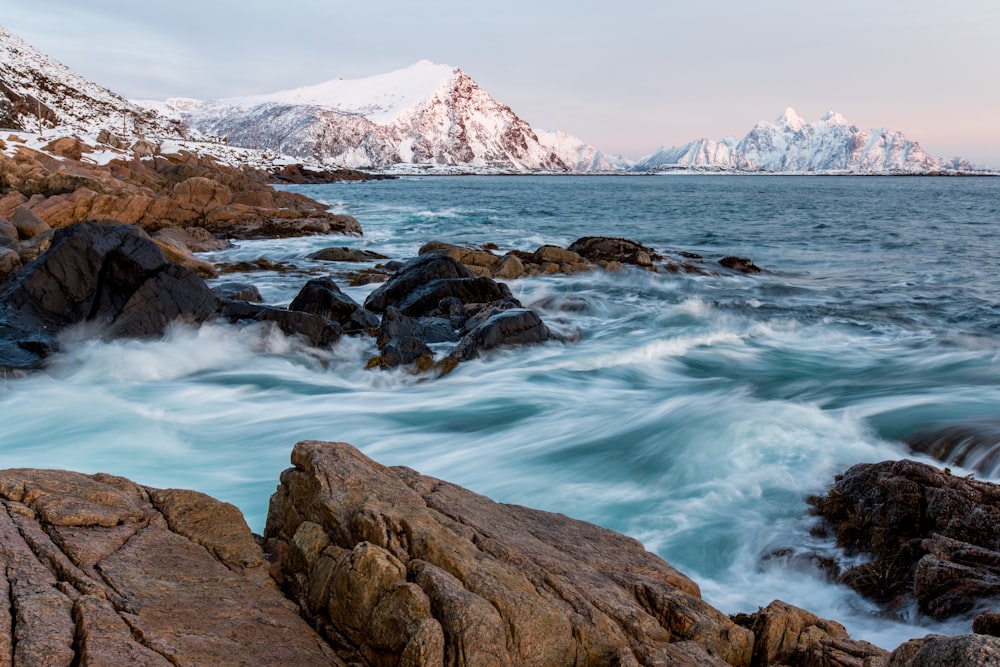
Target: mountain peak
[
  {"x": 791, "y": 119},
  {"x": 834, "y": 118}
]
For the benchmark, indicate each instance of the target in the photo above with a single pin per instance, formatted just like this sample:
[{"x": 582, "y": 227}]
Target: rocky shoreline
[{"x": 362, "y": 564}]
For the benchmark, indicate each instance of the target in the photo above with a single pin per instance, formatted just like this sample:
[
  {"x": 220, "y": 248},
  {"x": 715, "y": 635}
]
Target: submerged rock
[
  {"x": 344, "y": 254},
  {"x": 386, "y": 562},
  {"x": 933, "y": 536}
]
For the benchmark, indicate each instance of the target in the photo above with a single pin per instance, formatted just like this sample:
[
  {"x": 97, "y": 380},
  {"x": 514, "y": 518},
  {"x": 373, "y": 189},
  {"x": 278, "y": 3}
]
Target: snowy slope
[
  {"x": 426, "y": 114},
  {"x": 579, "y": 155},
  {"x": 790, "y": 144},
  {"x": 35, "y": 89}
]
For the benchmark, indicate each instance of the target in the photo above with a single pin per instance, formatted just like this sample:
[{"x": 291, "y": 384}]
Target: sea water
[{"x": 695, "y": 412}]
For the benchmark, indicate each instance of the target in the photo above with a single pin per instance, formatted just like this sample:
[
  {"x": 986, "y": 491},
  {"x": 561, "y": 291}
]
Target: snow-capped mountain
[
  {"x": 425, "y": 114},
  {"x": 37, "y": 91},
  {"x": 790, "y": 144}
]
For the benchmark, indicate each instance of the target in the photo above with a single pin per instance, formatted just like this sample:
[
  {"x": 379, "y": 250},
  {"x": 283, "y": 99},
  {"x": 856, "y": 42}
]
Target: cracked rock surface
[
  {"x": 101, "y": 571},
  {"x": 393, "y": 567}
]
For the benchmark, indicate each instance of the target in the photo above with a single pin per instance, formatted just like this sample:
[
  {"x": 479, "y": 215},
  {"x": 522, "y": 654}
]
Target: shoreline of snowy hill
[{"x": 424, "y": 119}]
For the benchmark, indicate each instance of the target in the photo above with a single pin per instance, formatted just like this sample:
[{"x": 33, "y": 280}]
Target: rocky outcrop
[
  {"x": 101, "y": 571},
  {"x": 174, "y": 190},
  {"x": 344, "y": 254},
  {"x": 937, "y": 651},
  {"x": 392, "y": 567},
  {"x": 434, "y": 299},
  {"x": 932, "y": 536},
  {"x": 322, "y": 296},
  {"x": 112, "y": 276},
  {"x": 787, "y": 635}
]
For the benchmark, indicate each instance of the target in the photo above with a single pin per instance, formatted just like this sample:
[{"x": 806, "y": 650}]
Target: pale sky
[{"x": 626, "y": 77}]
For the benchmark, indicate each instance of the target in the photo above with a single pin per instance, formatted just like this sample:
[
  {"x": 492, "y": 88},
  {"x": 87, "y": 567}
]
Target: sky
[{"x": 626, "y": 77}]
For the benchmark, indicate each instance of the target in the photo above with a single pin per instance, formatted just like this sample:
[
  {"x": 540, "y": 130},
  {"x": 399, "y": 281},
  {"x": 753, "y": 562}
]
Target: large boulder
[
  {"x": 501, "y": 328},
  {"x": 931, "y": 535},
  {"x": 610, "y": 249},
  {"x": 27, "y": 223},
  {"x": 938, "y": 651},
  {"x": 98, "y": 570},
  {"x": 393, "y": 568},
  {"x": 412, "y": 275},
  {"x": 322, "y": 296},
  {"x": 113, "y": 276},
  {"x": 426, "y": 298},
  {"x": 787, "y": 635}
]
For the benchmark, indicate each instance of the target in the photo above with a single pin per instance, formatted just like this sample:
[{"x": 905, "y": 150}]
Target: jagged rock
[
  {"x": 175, "y": 251},
  {"x": 412, "y": 275},
  {"x": 516, "y": 326},
  {"x": 238, "y": 292},
  {"x": 317, "y": 330},
  {"x": 27, "y": 223},
  {"x": 787, "y": 635},
  {"x": 608, "y": 249},
  {"x": 112, "y": 275},
  {"x": 424, "y": 299},
  {"x": 396, "y": 568},
  {"x": 937, "y": 651},
  {"x": 741, "y": 264},
  {"x": 322, "y": 296},
  {"x": 101, "y": 571},
  {"x": 344, "y": 254},
  {"x": 932, "y": 535}
]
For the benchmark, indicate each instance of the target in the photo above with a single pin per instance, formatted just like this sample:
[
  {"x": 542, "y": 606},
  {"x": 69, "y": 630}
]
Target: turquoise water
[{"x": 694, "y": 412}]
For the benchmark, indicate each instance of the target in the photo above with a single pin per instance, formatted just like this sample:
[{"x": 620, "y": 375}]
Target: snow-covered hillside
[
  {"x": 37, "y": 92},
  {"x": 426, "y": 114},
  {"x": 790, "y": 144}
]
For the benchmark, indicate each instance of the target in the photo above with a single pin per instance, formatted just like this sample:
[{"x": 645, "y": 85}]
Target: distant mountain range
[{"x": 428, "y": 115}]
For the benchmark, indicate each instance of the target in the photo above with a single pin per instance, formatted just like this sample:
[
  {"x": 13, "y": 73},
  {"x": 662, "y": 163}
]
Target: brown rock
[
  {"x": 987, "y": 623},
  {"x": 27, "y": 223},
  {"x": 7, "y": 229},
  {"x": 175, "y": 251},
  {"x": 202, "y": 192},
  {"x": 99, "y": 575},
  {"x": 787, "y": 635},
  {"x": 10, "y": 201},
  {"x": 556, "y": 255},
  {"x": 10, "y": 262},
  {"x": 479, "y": 262},
  {"x": 509, "y": 267},
  {"x": 67, "y": 147},
  {"x": 609, "y": 249},
  {"x": 528, "y": 587},
  {"x": 933, "y": 535},
  {"x": 937, "y": 651}
]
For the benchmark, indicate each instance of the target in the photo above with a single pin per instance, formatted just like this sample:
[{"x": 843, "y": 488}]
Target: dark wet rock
[
  {"x": 741, "y": 264},
  {"x": 428, "y": 329},
  {"x": 322, "y": 296},
  {"x": 975, "y": 445},
  {"x": 937, "y": 651},
  {"x": 479, "y": 261},
  {"x": 502, "y": 328},
  {"x": 987, "y": 623},
  {"x": 425, "y": 299},
  {"x": 234, "y": 291},
  {"x": 393, "y": 567},
  {"x": 317, "y": 330},
  {"x": 403, "y": 350},
  {"x": 255, "y": 265},
  {"x": 608, "y": 249},
  {"x": 787, "y": 635},
  {"x": 100, "y": 571},
  {"x": 932, "y": 536},
  {"x": 111, "y": 275},
  {"x": 412, "y": 275},
  {"x": 345, "y": 254}
]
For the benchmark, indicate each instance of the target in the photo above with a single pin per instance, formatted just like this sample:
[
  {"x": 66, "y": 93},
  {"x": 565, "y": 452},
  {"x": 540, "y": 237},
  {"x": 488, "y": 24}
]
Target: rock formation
[
  {"x": 101, "y": 571},
  {"x": 111, "y": 276},
  {"x": 391, "y": 566},
  {"x": 933, "y": 536}
]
